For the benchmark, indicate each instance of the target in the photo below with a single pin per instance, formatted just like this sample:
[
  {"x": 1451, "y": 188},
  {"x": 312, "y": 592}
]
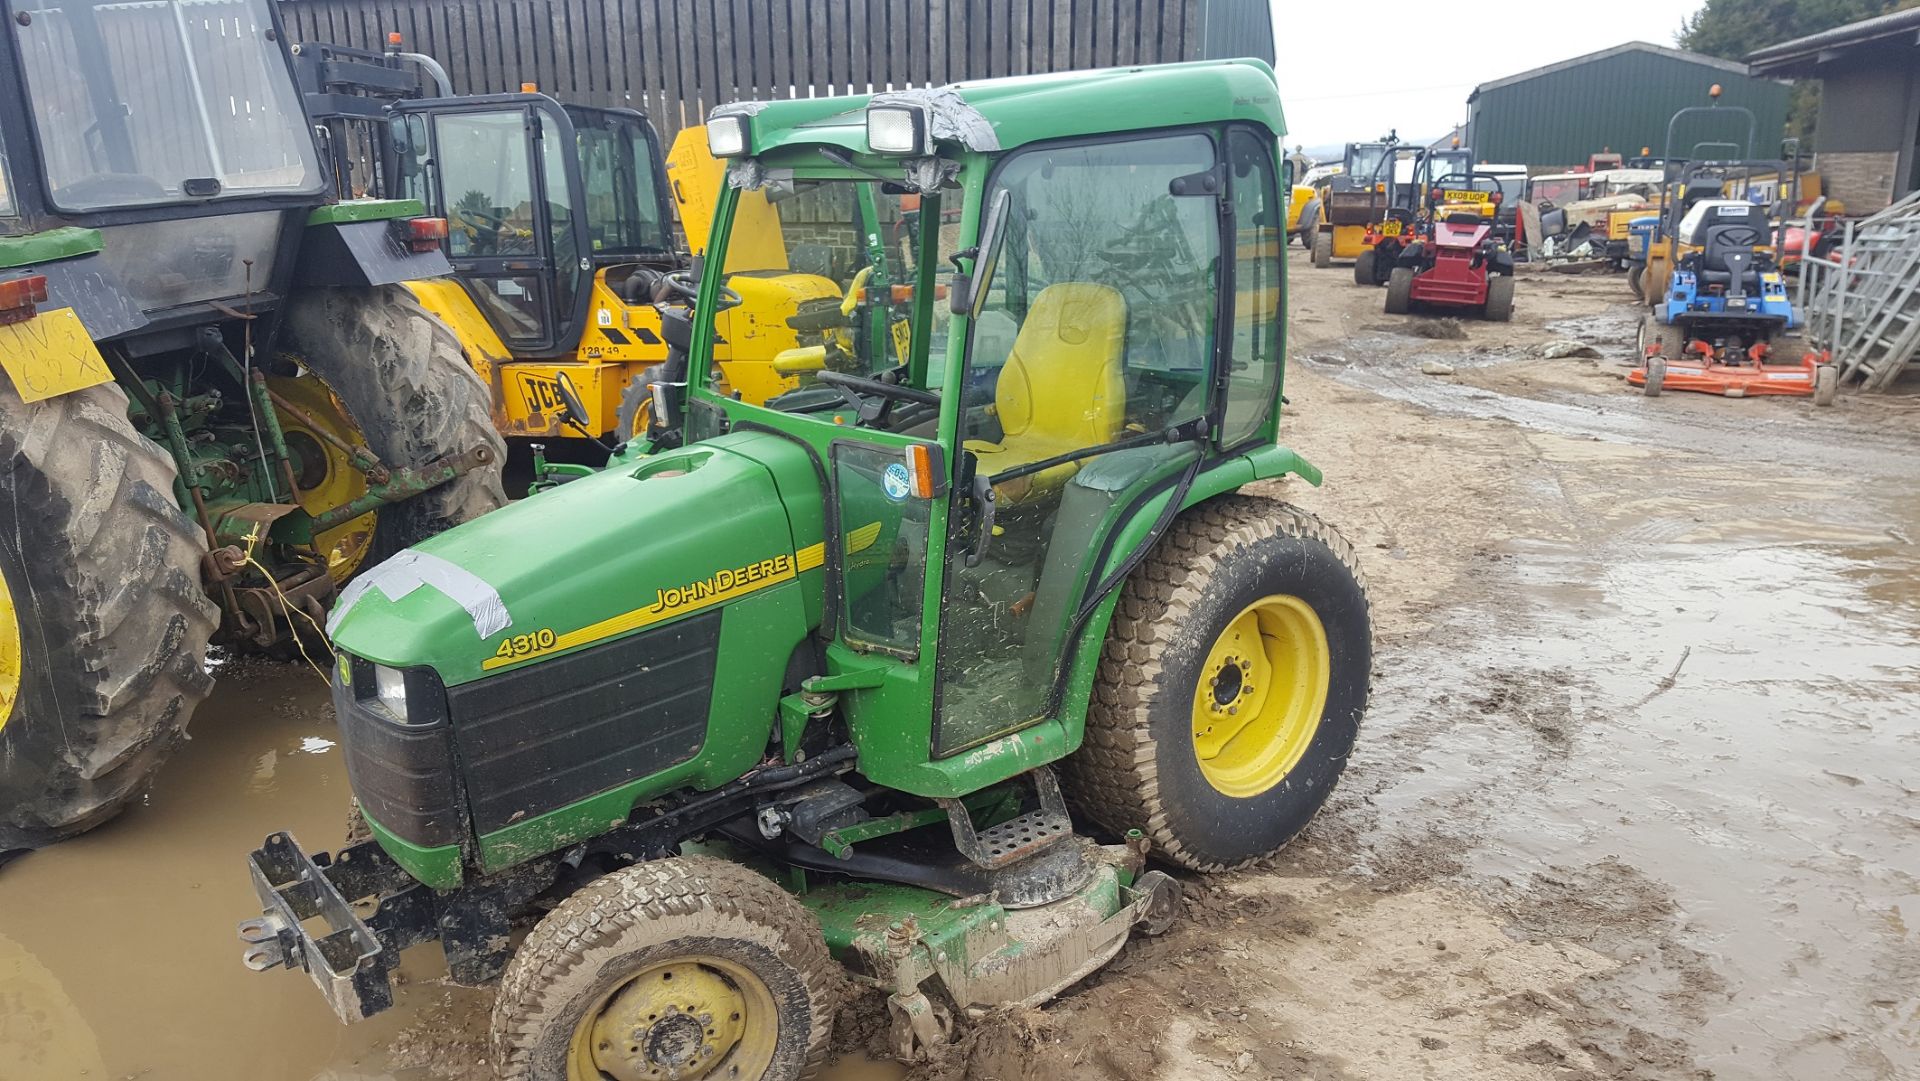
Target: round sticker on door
[{"x": 896, "y": 483}]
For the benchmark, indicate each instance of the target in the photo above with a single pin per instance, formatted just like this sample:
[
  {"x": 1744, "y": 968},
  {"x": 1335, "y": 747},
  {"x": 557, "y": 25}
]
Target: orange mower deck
[{"x": 1750, "y": 377}]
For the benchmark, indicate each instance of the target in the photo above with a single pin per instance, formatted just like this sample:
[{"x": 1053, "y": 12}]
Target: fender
[
  {"x": 1132, "y": 533},
  {"x": 353, "y": 244},
  {"x": 77, "y": 277}
]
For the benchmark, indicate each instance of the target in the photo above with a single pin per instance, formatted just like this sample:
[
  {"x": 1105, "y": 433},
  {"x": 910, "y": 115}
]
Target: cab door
[{"x": 500, "y": 168}]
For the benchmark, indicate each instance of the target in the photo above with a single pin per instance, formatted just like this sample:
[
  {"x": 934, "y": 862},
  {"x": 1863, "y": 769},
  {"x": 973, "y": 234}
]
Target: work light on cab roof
[
  {"x": 727, "y": 136},
  {"x": 898, "y": 129}
]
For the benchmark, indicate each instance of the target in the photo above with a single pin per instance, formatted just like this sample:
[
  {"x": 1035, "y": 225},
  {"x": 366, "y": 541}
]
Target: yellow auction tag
[{"x": 50, "y": 355}]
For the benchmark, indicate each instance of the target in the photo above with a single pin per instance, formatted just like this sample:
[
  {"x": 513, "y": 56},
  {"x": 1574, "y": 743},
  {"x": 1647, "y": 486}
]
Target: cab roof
[{"x": 1030, "y": 108}]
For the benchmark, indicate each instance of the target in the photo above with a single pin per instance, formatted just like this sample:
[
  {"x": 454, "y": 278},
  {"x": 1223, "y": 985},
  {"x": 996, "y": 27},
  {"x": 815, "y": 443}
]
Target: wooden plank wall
[{"x": 675, "y": 60}]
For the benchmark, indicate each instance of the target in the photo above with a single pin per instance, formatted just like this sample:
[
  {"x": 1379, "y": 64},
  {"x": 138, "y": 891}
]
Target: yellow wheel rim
[
  {"x": 10, "y": 650},
  {"x": 1260, "y": 695},
  {"x": 688, "y": 1018},
  {"x": 326, "y": 473}
]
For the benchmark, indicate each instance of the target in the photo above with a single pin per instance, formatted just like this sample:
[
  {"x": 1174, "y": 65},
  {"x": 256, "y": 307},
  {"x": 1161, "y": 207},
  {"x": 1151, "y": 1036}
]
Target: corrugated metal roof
[
  {"x": 1896, "y": 24},
  {"x": 1620, "y": 99},
  {"x": 1629, "y": 47}
]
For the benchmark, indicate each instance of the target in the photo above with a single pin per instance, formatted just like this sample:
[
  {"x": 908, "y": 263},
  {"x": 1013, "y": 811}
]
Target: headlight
[
  {"x": 727, "y": 136},
  {"x": 390, "y": 691},
  {"x": 897, "y": 129}
]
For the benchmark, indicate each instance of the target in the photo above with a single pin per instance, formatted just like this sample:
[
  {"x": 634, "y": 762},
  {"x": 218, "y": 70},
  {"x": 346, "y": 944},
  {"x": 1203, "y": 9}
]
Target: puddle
[
  {"x": 118, "y": 958},
  {"x": 1732, "y": 724},
  {"x": 1791, "y": 432}
]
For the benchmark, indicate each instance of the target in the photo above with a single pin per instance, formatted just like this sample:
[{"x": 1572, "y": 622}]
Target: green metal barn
[{"x": 1617, "y": 99}]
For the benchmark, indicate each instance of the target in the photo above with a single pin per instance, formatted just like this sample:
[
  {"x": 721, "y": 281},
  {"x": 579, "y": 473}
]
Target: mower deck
[{"x": 1733, "y": 380}]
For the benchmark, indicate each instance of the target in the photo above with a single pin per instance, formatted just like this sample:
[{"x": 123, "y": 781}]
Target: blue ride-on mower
[{"x": 1725, "y": 307}]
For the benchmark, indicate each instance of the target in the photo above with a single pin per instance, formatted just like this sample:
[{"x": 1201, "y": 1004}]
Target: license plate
[
  {"x": 1389, "y": 228},
  {"x": 50, "y": 355},
  {"x": 1464, "y": 196}
]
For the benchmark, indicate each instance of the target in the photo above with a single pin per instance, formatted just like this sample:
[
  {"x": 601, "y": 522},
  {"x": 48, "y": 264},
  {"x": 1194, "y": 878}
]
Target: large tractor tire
[
  {"x": 1400, "y": 291},
  {"x": 103, "y": 623},
  {"x": 1231, "y": 689},
  {"x": 410, "y": 394},
  {"x": 1499, "y": 307},
  {"x": 689, "y": 967},
  {"x": 1323, "y": 250}
]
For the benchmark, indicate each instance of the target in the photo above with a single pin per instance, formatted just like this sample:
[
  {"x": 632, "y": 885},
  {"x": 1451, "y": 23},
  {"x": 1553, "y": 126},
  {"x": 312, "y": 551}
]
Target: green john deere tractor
[
  {"x": 848, "y": 688},
  {"x": 217, "y": 403}
]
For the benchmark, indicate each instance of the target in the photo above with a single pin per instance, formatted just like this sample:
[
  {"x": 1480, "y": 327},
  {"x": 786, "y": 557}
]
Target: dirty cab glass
[
  {"x": 860, "y": 242},
  {"x": 1098, "y": 327},
  {"x": 134, "y": 99},
  {"x": 617, "y": 167}
]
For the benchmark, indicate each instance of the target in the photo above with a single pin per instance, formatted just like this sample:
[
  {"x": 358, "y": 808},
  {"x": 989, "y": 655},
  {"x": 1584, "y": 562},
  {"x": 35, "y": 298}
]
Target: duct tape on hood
[
  {"x": 401, "y": 575},
  {"x": 949, "y": 117}
]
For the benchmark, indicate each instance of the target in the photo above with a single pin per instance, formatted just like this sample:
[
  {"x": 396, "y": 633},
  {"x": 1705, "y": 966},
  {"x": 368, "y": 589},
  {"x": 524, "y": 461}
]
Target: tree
[{"x": 1732, "y": 29}]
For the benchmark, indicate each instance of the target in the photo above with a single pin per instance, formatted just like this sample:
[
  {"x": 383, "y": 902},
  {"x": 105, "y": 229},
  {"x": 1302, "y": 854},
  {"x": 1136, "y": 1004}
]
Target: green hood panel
[{"x": 636, "y": 546}]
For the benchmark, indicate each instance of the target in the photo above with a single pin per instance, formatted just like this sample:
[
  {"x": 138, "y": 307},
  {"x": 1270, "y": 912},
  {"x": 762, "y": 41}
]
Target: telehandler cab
[
  {"x": 839, "y": 689},
  {"x": 561, "y": 228},
  {"x": 218, "y": 406}
]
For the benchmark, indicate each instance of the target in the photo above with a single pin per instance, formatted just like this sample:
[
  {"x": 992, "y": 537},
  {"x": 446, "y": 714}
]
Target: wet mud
[{"x": 1638, "y": 795}]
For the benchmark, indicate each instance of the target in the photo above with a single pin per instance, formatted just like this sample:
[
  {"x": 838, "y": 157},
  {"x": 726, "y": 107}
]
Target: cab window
[
  {"x": 1259, "y": 223},
  {"x": 618, "y": 165},
  {"x": 1098, "y": 329},
  {"x": 6, "y": 186}
]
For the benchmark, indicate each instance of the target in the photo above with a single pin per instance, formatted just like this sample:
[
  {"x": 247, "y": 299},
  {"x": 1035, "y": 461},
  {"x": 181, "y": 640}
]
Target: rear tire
[
  {"x": 1363, "y": 269},
  {"x": 1499, "y": 307},
  {"x": 1323, "y": 250},
  {"x": 1826, "y": 384},
  {"x": 409, "y": 389},
  {"x": 103, "y": 623},
  {"x": 634, "y": 930},
  {"x": 1400, "y": 291},
  {"x": 1634, "y": 276},
  {"x": 1141, "y": 764}
]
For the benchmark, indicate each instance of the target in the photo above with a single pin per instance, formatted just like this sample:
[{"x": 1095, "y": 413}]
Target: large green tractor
[
  {"x": 848, "y": 689},
  {"x": 217, "y": 404}
]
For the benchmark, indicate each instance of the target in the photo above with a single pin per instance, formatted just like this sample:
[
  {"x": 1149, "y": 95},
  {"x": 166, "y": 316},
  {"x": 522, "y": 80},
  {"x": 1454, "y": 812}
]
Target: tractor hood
[{"x": 642, "y": 543}]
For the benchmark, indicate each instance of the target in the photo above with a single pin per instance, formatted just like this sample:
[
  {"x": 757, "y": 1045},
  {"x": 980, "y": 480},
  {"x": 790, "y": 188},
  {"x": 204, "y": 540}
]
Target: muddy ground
[{"x": 1638, "y": 796}]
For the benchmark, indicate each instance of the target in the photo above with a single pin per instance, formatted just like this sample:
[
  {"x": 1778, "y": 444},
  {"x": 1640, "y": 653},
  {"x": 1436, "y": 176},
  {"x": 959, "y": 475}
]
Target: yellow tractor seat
[{"x": 1061, "y": 388}]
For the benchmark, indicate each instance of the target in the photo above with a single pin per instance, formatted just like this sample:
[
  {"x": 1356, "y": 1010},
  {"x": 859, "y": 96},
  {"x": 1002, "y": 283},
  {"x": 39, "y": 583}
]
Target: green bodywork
[
  {"x": 366, "y": 210},
  {"x": 50, "y": 246},
  {"x": 577, "y": 564}
]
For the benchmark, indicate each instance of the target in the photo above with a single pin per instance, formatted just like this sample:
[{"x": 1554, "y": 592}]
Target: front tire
[
  {"x": 409, "y": 390},
  {"x": 1400, "y": 291},
  {"x": 1309, "y": 223},
  {"x": 636, "y": 405},
  {"x": 1247, "y": 604},
  {"x": 103, "y": 623},
  {"x": 1363, "y": 269},
  {"x": 594, "y": 984}
]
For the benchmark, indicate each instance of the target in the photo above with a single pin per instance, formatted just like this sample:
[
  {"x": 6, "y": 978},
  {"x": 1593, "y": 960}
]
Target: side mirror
[{"x": 574, "y": 410}]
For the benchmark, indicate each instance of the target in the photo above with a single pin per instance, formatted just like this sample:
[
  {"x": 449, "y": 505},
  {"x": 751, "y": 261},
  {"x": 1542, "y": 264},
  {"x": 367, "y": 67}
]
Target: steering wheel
[
  {"x": 682, "y": 284},
  {"x": 864, "y": 385}
]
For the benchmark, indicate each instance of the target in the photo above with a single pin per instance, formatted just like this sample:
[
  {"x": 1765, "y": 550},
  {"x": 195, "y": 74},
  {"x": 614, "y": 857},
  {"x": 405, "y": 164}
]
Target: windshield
[
  {"x": 1365, "y": 159},
  {"x": 134, "y": 100},
  {"x": 619, "y": 165},
  {"x": 1559, "y": 192},
  {"x": 858, "y": 241}
]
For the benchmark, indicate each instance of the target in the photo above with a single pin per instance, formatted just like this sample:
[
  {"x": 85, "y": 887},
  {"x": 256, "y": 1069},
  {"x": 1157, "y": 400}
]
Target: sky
[{"x": 1333, "y": 93}]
